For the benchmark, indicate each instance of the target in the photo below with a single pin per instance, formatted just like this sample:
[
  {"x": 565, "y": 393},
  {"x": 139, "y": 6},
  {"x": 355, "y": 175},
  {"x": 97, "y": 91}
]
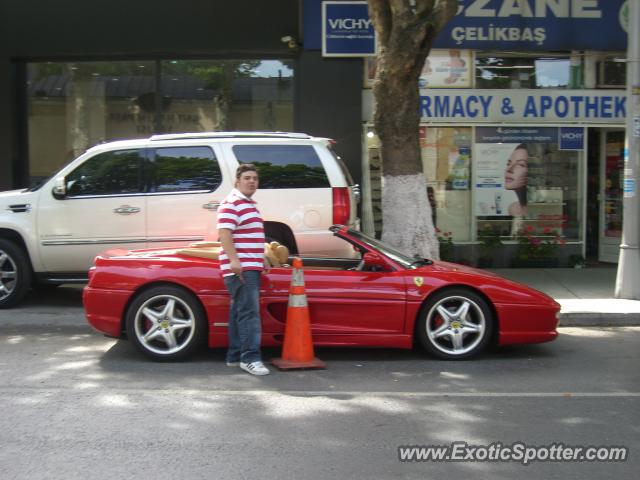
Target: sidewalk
[{"x": 586, "y": 294}]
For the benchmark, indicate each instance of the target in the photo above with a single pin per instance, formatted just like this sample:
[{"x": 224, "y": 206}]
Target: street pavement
[{"x": 78, "y": 405}]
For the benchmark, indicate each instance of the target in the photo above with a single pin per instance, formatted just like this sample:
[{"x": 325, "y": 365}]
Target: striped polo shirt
[{"x": 240, "y": 215}]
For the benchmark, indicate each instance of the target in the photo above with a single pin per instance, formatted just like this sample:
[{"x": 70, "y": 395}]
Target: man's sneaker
[
  {"x": 233, "y": 364},
  {"x": 254, "y": 368}
]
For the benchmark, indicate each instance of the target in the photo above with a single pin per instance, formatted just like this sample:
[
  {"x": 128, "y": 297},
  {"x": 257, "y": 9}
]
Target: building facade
[
  {"x": 75, "y": 73},
  {"x": 523, "y": 110},
  {"x": 505, "y": 78}
]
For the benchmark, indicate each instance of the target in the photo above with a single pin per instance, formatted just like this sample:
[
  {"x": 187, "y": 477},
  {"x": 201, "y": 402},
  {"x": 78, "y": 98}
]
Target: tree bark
[
  {"x": 405, "y": 35},
  {"x": 224, "y": 99},
  {"x": 77, "y": 110}
]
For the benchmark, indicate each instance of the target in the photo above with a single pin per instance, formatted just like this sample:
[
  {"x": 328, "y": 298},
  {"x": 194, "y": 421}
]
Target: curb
[
  {"x": 76, "y": 320},
  {"x": 599, "y": 319},
  {"x": 44, "y": 319}
]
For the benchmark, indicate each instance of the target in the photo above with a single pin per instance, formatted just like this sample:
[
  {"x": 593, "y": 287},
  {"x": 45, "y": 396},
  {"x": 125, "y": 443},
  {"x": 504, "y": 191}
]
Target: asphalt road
[{"x": 79, "y": 405}]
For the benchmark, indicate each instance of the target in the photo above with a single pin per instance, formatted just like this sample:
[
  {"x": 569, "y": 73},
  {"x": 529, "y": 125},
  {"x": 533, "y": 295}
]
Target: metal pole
[{"x": 628, "y": 279}]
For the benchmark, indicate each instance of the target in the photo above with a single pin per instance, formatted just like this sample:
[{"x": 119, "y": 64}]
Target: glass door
[{"x": 611, "y": 174}]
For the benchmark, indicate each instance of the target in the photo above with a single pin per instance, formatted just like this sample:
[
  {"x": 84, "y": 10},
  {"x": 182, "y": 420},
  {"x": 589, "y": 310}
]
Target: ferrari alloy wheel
[
  {"x": 15, "y": 274},
  {"x": 455, "y": 324},
  {"x": 166, "y": 323}
]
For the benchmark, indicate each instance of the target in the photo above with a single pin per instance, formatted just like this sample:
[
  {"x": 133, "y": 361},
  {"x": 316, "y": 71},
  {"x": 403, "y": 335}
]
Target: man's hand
[
  {"x": 236, "y": 267},
  {"x": 225, "y": 237}
]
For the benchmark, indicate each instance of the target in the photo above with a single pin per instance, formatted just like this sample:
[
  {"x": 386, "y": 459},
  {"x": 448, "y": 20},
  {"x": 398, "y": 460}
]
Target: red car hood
[
  {"x": 484, "y": 279},
  {"x": 441, "y": 266}
]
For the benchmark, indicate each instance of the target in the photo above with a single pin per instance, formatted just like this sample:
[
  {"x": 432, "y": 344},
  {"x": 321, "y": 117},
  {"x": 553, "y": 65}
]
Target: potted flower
[
  {"x": 534, "y": 251},
  {"x": 445, "y": 239},
  {"x": 490, "y": 243}
]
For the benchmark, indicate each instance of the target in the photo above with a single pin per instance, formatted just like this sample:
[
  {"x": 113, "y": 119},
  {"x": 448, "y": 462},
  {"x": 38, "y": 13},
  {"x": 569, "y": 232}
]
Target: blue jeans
[{"x": 245, "y": 329}]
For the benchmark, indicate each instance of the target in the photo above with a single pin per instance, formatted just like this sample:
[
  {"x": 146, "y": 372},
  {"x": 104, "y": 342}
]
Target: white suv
[{"x": 164, "y": 191}]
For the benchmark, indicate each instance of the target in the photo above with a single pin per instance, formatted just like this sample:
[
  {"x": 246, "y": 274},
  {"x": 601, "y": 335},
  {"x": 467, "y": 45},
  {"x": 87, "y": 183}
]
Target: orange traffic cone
[{"x": 297, "y": 350}]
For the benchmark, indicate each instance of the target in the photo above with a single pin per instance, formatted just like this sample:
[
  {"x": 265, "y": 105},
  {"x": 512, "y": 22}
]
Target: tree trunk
[
  {"x": 77, "y": 110},
  {"x": 404, "y": 187},
  {"x": 405, "y": 33},
  {"x": 224, "y": 99}
]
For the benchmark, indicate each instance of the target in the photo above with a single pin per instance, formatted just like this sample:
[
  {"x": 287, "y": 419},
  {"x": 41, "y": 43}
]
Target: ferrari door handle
[
  {"x": 211, "y": 205},
  {"x": 126, "y": 210}
]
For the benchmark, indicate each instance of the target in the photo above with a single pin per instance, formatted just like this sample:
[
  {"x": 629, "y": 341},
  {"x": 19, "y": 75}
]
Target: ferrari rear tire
[
  {"x": 455, "y": 324},
  {"x": 166, "y": 323},
  {"x": 15, "y": 274}
]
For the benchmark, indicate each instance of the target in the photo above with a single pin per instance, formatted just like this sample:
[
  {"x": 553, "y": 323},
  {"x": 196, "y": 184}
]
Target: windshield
[
  {"x": 38, "y": 182},
  {"x": 403, "y": 259}
]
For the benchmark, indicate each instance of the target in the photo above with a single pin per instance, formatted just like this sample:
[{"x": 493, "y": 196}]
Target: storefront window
[
  {"x": 613, "y": 185},
  {"x": 73, "y": 106},
  {"x": 612, "y": 71},
  {"x": 450, "y": 68},
  {"x": 446, "y": 159},
  {"x": 528, "y": 182},
  {"x": 227, "y": 95},
  {"x": 523, "y": 72}
]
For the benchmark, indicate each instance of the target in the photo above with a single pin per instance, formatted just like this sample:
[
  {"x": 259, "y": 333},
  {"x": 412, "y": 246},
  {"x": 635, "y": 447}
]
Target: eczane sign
[{"x": 537, "y": 25}]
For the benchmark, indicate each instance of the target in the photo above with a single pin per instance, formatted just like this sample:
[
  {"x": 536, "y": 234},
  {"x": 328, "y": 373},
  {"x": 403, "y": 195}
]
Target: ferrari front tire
[
  {"x": 166, "y": 323},
  {"x": 455, "y": 324}
]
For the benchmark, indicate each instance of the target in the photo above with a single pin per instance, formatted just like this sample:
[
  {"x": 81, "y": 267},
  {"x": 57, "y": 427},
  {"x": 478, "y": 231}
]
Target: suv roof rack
[{"x": 199, "y": 135}]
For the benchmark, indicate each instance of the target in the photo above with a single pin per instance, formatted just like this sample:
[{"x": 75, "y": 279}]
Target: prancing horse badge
[{"x": 418, "y": 281}]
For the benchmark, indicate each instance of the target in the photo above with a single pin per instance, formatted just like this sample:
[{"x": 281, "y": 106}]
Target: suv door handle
[
  {"x": 212, "y": 205},
  {"x": 126, "y": 210}
]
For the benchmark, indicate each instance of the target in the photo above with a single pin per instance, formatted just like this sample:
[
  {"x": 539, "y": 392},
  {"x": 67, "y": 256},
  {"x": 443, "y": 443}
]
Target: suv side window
[
  {"x": 109, "y": 173},
  {"x": 284, "y": 166},
  {"x": 185, "y": 169}
]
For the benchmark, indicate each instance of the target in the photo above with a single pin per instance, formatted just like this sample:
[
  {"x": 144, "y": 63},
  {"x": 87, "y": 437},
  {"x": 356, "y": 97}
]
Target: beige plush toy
[
  {"x": 276, "y": 254},
  {"x": 282, "y": 253}
]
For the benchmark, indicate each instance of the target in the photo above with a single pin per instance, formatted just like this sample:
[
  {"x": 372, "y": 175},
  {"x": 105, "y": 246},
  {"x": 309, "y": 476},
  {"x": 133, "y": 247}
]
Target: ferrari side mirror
[{"x": 374, "y": 260}]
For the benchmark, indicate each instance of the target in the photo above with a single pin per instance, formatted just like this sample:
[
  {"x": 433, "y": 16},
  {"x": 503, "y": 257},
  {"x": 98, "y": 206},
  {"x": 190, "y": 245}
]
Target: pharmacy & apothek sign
[{"x": 537, "y": 106}]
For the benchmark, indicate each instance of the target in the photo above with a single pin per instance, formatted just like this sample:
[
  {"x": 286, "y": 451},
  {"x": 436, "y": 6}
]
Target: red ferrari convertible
[{"x": 169, "y": 304}]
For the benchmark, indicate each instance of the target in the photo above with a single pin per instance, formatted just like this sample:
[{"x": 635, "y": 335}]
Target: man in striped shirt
[{"x": 241, "y": 233}]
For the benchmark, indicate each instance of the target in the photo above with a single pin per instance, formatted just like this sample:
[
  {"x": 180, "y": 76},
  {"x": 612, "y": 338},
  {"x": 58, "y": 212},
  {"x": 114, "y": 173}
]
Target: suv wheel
[{"x": 15, "y": 274}]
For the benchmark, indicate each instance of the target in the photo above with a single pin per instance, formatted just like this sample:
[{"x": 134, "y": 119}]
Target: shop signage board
[
  {"x": 522, "y": 106},
  {"x": 537, "y": 25},
  {"x": 347, "y": 30},
  {"x": 571, "y": 138},
  {"x": 534, "y": 25},
  {"x": 535, "y": 106}
]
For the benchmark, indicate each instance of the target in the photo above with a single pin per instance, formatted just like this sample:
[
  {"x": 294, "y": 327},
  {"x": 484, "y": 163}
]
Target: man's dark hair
[{"x": 245, "y": 167}]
